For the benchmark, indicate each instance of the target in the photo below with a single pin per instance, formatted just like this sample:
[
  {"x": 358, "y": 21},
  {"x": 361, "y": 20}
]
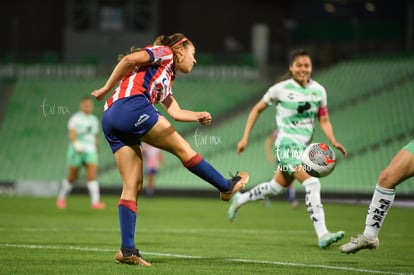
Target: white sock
[
  {"x": 381, "y": 202},
  {"x": 65, "y": 189},
  {"x": 93, "y": 188},
  {"x": 260, "y": 191},
  {"x": 314, "y": 205}
]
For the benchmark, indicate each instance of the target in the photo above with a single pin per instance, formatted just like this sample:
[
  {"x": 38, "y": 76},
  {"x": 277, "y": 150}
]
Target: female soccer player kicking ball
[
  {"x": 400, "y": 169},
  {"x": 145, "y": 78}
]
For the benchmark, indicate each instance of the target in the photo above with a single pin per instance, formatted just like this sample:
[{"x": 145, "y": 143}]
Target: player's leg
[
  {"x": 66, "y": 186},
  {"x": 93, "y": 185},
  {"x": 270, "y": 188},
  {"x": 121, "y": 129},
  {"x": 400, "y": 168},
  {"x": 265, "y": 189},
  {"x": 129, "y": 163},
  {"x": 163, "y": 135},
  {"x": 282, "y": 178},
  {"x": 150, "y": 186},
  {"x": 74, "y": 162},
  {"x": 291, "y": 194},
  {"x": 315, "y": 209}
]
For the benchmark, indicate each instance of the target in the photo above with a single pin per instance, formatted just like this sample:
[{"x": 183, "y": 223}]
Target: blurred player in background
[
  {"x": 153, "y": 159},
  {"x": 145, "y": 78},
  {"x": 400, "y": 168},
  {"x": 83, "y": 129},
  {"x": 270, "y": 155},
  {"x": 299, "y": 101}
]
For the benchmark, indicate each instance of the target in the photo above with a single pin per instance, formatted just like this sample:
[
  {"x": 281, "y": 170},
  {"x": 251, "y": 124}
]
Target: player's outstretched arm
[
  {"x": 251, "y": 121},
  {"x": 124, "y": 66}
]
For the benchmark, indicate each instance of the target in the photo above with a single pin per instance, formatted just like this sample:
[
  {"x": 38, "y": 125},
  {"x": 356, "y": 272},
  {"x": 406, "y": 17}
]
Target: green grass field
[{"x": 193, "y": 236}]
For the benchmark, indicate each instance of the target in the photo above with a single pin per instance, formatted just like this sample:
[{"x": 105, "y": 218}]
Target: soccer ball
[{"x": 318, "y": 160}]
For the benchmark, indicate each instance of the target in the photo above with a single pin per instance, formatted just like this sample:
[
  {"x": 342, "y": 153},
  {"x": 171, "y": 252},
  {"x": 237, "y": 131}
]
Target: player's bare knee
[{"x": 385, "y": 179}]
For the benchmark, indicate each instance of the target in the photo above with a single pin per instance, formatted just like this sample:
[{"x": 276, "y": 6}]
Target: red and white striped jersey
[{"x": 154, "y": 80}]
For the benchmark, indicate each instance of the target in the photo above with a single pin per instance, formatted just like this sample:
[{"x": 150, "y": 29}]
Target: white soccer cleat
[{"x": 357, "y": 243}]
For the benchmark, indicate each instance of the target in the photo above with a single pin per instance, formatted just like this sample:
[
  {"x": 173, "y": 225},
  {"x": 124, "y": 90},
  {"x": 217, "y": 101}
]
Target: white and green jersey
[
  {"x": 296, "y": 110},
  {"x": 86, "y": 127}
]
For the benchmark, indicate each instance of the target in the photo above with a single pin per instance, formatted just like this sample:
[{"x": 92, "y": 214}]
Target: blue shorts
[{"x": 127, "y": 120}]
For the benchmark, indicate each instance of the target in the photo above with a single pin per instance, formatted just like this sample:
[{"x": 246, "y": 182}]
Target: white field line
[
  {"x": 76, "y": 248},
  {"x": 172, "y": 230},
  {"x": 160, "y": 230}
]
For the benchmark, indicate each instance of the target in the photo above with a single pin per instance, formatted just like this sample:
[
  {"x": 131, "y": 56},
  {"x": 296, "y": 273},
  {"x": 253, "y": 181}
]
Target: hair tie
[{"x": 182, "y": 40}]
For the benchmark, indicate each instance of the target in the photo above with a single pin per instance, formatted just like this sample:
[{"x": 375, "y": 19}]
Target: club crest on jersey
[{"x": 314, "y": 96}]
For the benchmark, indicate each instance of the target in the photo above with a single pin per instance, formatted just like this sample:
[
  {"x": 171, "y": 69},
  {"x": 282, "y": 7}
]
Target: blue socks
[
  {"x": 198, "y": 166},
  {"x": 127, "y": 221}
]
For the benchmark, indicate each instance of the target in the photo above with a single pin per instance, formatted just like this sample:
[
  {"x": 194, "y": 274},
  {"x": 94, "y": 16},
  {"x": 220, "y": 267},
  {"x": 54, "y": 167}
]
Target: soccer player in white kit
[
  {"x": 83, "y": 129},
  {"x": 299, "y": 101}
]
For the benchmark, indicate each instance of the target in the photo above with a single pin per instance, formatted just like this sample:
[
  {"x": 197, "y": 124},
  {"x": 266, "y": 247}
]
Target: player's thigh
[
  {"x": 163, "y": 135},
  {"x": 73, "y": 158},
  {"x": 73, "y": 172},
  {"x": 91, "y": 165},
  {"x": 283, "y": 177},
  {"x": 400, "y": 168},
  {"x": 91, "y": 171}
]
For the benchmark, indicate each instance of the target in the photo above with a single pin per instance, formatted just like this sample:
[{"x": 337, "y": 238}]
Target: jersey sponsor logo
[
  {"x": 303, "y": 106},
  {"x": 142, "y": 119}
]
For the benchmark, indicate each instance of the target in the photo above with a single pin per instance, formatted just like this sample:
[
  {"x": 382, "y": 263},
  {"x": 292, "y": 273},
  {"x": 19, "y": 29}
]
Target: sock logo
[
  {"x": 257, "y": 191},
  {"x": 380, "y": 212},
  {"x": 309, "y": 207}
]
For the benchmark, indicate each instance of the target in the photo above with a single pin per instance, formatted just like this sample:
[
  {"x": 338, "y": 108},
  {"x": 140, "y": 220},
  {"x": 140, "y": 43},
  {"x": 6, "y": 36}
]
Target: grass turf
[{"x": 193, "y": 236}]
